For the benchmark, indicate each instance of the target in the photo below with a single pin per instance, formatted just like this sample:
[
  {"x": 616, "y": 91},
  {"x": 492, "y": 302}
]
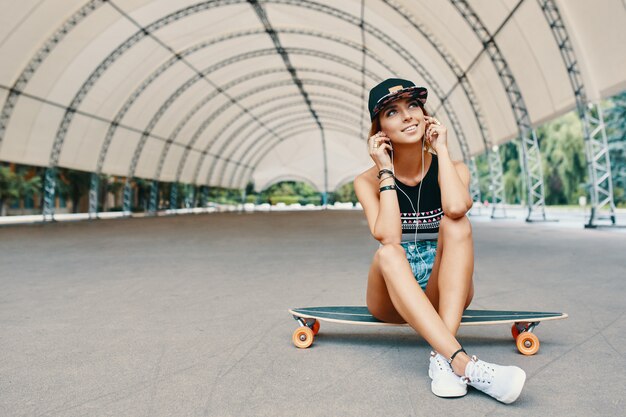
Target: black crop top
[{"x": 429, "y": 211}]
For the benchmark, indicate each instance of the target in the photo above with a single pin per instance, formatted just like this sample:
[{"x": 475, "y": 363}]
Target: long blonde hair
[{"x": 375, "y": 128}]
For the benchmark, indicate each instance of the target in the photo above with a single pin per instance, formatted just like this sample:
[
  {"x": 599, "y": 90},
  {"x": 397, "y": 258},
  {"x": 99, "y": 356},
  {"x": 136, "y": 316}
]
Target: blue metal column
[
  {"x": 49, "y": 189},
  {"x": 93, "y": 195}
]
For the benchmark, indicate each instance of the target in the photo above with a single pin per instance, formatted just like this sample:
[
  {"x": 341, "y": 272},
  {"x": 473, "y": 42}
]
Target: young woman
[{"x": 415, "y": 199}]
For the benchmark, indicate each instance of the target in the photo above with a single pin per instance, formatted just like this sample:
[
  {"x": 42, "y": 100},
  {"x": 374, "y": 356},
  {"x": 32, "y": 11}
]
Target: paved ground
[{"x": 186, "y": 316}]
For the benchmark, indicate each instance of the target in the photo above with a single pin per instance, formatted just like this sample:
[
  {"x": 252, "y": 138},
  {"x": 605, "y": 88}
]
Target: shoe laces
[
  {"x": 441, "y": 363},
  {"x": 480, "y": 372}
]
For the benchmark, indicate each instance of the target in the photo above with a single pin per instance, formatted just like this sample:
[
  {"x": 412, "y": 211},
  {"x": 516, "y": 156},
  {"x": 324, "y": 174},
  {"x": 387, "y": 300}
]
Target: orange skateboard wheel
[
  {"x": 527, "y": 343},
  {"x": 302, "y": 337},
  {"x": 316, "y": 327}
]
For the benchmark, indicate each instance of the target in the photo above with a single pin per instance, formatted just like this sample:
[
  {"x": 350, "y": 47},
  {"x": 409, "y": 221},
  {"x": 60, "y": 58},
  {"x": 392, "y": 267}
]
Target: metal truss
[
  {"x": 494, "y": 163},
  {"x": 296, "y": 79},
  {"x": 402, "y": 52},
  {"x": 112, "y": 58},
  {"x": 154, "y": 195},
  {"x": 248, "y": 55},
  {"x": 255, "y": 157},
  {"x": 23, "y": 79},
  {"x": 258, "y": 142},
  {"x": 153, "y": 77},
  {"x": 531, "y": 156},
  {"x": 292, "y": 51},
  {"x": 239, "y": 130},
  {"x": 474, "y": 185},
  {"x": 215, "y": 114},
  {"x": 594, "y": 131},
  {"x": 340, "y": 117},
  {"x": 497, "y": 183},
  {"x": 231, "y": 140},
  {"x": 288, "y": 129},
  {"x": 49, "y": 189},
  {"x": 363, "y": 60},
  {"x": 36, "y": 61},
  {"x": 256, "y": 90},
  {"x": 147, "y": 31},
  {"x": 93, "y": 195}
]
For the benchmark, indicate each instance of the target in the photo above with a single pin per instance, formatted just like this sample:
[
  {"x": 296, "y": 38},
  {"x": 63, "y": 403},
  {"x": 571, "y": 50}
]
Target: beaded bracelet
[
  {"x": 382, "y": 171},
  {"x": 387, "y": 187}
]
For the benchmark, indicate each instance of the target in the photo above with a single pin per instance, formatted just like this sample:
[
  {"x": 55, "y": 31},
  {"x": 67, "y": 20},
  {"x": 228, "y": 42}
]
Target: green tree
[
  {"x": 512, "y": 173},
  {"x": 73, "y": 185},
  {"x": 563, "y": 158},
  {"x": 345, "y": 193},
  {"x": 15, "y": 184},
  {"x": 9, "y": 188}
]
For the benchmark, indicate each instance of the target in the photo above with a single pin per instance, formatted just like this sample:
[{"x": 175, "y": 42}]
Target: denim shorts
[{"x": 421, "y": 266}]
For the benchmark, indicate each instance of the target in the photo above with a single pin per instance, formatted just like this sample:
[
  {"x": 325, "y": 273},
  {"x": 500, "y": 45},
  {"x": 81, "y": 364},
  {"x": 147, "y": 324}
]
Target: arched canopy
[{"x": 221, "y": 92}]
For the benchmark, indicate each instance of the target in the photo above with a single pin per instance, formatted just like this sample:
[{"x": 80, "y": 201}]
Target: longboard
[{"x": 523, "y": 322}]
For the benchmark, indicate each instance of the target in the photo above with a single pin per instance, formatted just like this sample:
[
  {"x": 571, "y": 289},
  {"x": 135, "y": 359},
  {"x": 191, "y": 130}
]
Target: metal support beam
[
  {"x": 497, "y": 183},
  {"x": 127, "y": 198},
  {"x": 174, "y": 196},
  {"x": 37, "y": 60},
  {"x": 594, "y": 131},
  {"x": 531, "y": 156},
  {"x": 153, "y": 205},
  {"x": 474, "y": 185},
  {"x": 49, "y": 188},
  {"x": 94, "y": 192},
  {"x": 260, "y": 11}
]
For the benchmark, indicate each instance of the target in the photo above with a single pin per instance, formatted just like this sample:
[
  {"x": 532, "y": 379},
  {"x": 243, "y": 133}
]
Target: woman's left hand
[{"x": 436, "y": 133}]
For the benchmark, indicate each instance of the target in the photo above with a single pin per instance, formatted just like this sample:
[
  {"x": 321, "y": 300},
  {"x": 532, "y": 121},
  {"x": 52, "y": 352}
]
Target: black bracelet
[
  {"x": 454, "y": 355},
  {"x": 382, "y": 171},
  {"x": 387, "y": 187}
]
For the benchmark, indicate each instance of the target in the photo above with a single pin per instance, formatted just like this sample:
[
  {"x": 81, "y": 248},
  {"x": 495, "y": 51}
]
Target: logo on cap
[{"x": 394, "y": 89}]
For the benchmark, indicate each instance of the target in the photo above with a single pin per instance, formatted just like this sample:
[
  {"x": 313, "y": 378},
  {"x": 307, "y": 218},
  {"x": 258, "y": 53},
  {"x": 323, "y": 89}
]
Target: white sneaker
[
  {"x": 445, "y": 383},
  {"x": 504, "y": 383}
]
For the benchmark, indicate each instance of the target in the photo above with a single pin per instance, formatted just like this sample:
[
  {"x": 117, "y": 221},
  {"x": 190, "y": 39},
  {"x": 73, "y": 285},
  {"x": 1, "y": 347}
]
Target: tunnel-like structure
[{"x": 219, "y": 93}]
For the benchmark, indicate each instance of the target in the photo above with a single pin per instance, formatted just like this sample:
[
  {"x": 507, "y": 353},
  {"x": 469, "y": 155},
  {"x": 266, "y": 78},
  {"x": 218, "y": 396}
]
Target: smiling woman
[{"x": 422, "y": 272}]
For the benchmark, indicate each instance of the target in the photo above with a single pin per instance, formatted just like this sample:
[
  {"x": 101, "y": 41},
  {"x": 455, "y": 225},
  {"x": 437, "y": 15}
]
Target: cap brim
[{"x": 419, "y": 93}]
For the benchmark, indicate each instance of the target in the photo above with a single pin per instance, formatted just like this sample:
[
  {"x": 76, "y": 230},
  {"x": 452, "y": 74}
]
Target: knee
[
  {"x": 459, "y": 229},
  {"x": 389, "y": 254}
]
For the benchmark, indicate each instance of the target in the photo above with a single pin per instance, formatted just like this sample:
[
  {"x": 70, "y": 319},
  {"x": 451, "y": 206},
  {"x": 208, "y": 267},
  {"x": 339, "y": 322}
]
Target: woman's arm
[
  {"x": 381, "y": 208},
  {"x": 454, "y": 178}
]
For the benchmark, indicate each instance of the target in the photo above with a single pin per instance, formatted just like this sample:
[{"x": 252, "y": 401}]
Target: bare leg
[
  {"x": 450, "y": 287},
  {"x": 402, "y": 298}
]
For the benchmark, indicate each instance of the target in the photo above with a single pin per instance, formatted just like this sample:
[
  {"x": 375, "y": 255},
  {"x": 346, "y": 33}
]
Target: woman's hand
[
  {"x": 436, "y": 133},
  {"x": 380, "y": 150}
]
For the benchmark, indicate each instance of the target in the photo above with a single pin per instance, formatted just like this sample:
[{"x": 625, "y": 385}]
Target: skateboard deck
[{"x": 523, "y": 322}]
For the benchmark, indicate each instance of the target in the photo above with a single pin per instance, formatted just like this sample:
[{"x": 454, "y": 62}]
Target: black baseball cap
[{"x": 393, "y": 89}]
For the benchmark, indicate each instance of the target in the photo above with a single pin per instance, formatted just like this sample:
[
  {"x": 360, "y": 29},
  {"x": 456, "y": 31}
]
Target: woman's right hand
[{"x": 380, "y": 150}]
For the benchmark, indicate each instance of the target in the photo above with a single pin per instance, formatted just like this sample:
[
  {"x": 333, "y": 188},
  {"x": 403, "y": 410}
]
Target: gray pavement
[{"x": 186, "y": 316}]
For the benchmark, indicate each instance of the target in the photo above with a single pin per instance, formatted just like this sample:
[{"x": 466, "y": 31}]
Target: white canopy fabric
[{"x": 224, "y": 92}]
